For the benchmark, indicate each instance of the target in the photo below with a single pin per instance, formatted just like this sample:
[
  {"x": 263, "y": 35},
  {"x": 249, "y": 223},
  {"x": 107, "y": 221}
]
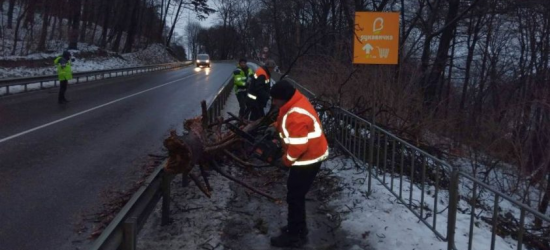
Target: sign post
[{"x": 376, "y": 38}]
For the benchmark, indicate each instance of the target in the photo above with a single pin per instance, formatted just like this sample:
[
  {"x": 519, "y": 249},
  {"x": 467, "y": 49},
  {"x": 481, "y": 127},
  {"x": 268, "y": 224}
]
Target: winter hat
[
  {"x": 282, "y": 90},
  {"x": 66, "y": 54}
]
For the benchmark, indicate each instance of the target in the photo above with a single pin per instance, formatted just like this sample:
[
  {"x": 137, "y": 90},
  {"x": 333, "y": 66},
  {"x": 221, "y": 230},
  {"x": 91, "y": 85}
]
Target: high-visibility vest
[
  {"x": 301, "y": 132},
  {"x": 64, "y": 72},
  {"x": 259, "y": 72},
  {"x": 240, "y": 80}
]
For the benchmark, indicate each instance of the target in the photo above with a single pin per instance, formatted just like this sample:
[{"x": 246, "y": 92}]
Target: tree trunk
[
  {"x": 73, "y": 37},
  {"x": 10, "y": 13},
  {"x": 29, "y": 18},
  {"x": 86, "y": 13},
  {"x": 449, "y": 80},
  {"x": 278, "y": 35},
  {"x": 60, "y": 28},
  {"x": 163, "y": 23},
  {"x": 442, "y": 54},
  {"x": 469, "y": 58},
  {"x": 45, "y": 22},
  {"x": 52, "y": 33},
  {"x": 116, "y": 43},
  {"x": 478, "y": 107},
  {"x": 132, "y": 28},
  {"x": 106, "y": 20},
  {"x": 16, "y": 35},
  {"x": 174, "y": 24}
]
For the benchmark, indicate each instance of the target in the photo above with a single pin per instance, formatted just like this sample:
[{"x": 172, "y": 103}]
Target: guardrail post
[
  {"x": 165, "y": 199},
  {"x": 129, "y": 234},
  {"x": 371, "y": 151},
  {"x": 453, "y": 208}
]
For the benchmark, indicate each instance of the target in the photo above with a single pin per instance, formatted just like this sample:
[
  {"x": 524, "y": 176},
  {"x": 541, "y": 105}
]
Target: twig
[
  {"x": 242, "y": 162},
  {"x": 199, "y": 185},
  {"x": 205, "y": 177},
  {"x": 228, "y": 176}
]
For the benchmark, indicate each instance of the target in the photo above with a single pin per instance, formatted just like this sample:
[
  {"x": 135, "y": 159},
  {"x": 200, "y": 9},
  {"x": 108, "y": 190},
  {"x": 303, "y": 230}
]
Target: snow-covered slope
[{"x": 154, "y": 54}]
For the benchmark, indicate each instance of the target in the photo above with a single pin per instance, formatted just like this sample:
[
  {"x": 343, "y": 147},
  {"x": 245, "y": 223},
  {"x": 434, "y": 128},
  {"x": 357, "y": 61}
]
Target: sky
[{"x": 191, "y": 16}]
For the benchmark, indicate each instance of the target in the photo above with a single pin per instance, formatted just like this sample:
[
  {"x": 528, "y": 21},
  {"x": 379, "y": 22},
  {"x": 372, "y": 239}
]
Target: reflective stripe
[
  {"x": 267, "y": 81},
  {"x": 290, "y": 158},
  {"x": 309, "y": 162},
  {"x": 296, "y": 141},
  {"x": 251, "y": 96},
  {"x": 300, "y": 140}
]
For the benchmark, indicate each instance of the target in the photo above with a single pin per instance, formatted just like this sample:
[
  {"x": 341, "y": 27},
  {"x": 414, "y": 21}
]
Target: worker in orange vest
[
  {"x": 305, "y": 148},
  {"x": 258, "y": 90}
]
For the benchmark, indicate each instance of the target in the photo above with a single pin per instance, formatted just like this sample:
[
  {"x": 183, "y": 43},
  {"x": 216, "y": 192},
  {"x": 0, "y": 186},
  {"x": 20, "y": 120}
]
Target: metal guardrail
[
  {"x": 390, "y": 159},
  {"x": 93, "y": 75},
  {"x": 122, "y": 232}
]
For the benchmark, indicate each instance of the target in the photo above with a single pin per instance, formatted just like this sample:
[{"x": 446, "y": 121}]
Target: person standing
[
  {"x": 258, "y": 91},
  {"x": 241, "y": 76},
  {"x": 305, "y": 148},
  {"x": 64, "y": 73}
]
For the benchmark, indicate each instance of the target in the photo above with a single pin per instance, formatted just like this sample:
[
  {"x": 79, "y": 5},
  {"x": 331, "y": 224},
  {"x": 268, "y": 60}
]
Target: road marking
[{"x": 89, "y": 110}]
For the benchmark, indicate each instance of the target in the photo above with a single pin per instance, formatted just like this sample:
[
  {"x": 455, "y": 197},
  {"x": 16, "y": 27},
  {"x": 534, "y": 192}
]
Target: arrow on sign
[{"x": 367, "y": 48}]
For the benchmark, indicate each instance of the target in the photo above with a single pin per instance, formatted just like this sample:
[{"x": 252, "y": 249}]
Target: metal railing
[
  {"x": 403, "y": 168},
  {"x": 42, "y": 82},
  {"x": 122, "y": 232}
]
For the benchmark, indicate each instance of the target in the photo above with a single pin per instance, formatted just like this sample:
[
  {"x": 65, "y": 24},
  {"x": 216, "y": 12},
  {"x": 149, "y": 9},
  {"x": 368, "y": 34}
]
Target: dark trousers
[
  {"x": 299, "y": 183},
  {"x": 241, "y": 97},
  {"x": 62, "y": 89},
  {"x": 256, "y": 108}
]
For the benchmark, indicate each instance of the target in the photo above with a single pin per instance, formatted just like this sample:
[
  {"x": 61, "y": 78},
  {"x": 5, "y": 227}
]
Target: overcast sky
[{"x": 191, "y": 16}]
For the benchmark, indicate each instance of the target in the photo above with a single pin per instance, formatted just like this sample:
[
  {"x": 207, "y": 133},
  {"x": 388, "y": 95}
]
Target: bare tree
[{"x": 192, "y": 31}]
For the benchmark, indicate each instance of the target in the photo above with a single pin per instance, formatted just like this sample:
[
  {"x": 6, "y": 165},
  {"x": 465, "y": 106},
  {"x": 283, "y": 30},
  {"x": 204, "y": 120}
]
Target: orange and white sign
[{"x": 376, "y": 38}]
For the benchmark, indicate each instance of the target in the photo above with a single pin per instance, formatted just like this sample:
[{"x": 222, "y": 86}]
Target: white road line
[{"x": 88, "y": 110}]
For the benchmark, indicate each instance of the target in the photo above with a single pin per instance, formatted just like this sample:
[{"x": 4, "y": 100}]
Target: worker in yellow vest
[{"x": 64, "y": 73}]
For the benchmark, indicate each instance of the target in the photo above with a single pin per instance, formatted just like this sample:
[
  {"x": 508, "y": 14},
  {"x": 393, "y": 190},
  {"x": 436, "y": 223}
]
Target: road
[{"x": 55, "y": 160}]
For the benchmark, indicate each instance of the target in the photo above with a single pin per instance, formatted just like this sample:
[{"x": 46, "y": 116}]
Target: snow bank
[
  {"x": 390, "y": 225},
  {"x": 154, "y": 54}
]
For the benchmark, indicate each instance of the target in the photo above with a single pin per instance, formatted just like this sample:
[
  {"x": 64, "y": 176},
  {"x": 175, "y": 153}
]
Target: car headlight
[
  {"x": 207, "y": 60},
  {"x": 198, "y": 61}
]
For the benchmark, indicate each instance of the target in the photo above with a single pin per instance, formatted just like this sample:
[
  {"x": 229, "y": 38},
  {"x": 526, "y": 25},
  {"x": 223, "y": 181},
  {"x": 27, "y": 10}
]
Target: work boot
[
  {"x": 288, "y": 240},
  {"x": 303, "y": 233}
]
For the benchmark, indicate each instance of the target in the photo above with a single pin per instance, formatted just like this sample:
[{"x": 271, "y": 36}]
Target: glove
[{"x": 72, "y": 59}]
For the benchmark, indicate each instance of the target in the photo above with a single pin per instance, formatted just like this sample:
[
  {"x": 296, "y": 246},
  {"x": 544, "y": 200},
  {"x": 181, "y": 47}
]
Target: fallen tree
[{"x": 204, "y": 145}]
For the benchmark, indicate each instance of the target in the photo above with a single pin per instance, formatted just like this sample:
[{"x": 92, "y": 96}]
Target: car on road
[{"x": 203, "y": 60}]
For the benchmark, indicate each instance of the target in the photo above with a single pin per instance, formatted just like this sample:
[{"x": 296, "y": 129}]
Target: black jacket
[{"x": 260, "y": 88}]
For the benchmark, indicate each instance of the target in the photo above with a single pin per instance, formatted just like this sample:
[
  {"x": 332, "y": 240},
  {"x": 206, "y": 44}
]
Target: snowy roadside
[
  {"x": 341, "y": 214},
  {"x": 235, "y": 218},
  {"x": 154, "y": 54},
  {"x": 197, "y": 220}
]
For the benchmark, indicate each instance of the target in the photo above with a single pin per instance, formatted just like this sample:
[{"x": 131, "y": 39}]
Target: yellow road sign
[{"x": 376, "y": 38}]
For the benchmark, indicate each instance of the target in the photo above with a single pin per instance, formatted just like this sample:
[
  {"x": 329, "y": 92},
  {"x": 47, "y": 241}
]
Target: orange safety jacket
[{"x": 304, "y": 142}]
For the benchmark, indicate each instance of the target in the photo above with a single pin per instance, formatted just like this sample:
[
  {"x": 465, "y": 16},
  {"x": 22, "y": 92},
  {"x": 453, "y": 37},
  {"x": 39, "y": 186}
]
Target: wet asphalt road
[{"x": 56, "y": 159}]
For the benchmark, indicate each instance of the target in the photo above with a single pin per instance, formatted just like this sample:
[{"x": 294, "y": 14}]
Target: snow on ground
[
  {"x": 194, "y": 215},
  {"x": 154, "y": 54},
  {"x": 390, "y": 224},
  {"x": 375, "y": 221}
]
